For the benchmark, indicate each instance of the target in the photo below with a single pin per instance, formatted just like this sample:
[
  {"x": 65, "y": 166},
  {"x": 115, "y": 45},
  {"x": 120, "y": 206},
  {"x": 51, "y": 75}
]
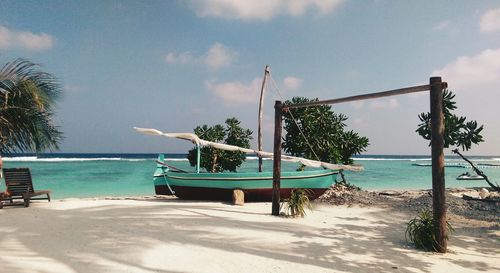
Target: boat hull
[
  {"x": 471, "y": 178},
  {"x": 256, "y": 186}
]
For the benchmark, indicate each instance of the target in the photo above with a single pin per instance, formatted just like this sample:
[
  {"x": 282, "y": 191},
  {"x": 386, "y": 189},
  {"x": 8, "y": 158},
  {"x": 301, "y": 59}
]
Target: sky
[{"x": 174, "y": 65}]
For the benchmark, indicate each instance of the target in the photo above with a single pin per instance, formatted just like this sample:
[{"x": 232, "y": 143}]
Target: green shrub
[
  {"x": 216, "y": 160},
  {"x": 347, "y": 185},
  {"x": 298, "y": 202},
  {"x": 420, "y": 231}
]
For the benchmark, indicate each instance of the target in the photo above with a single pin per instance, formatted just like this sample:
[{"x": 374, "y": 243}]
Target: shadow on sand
[{"x": 122, "y": 237}]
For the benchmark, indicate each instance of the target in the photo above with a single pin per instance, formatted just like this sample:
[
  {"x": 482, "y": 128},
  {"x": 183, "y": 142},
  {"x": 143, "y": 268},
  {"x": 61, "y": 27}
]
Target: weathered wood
[
  {"x": 437, "y": 154},
  {"x": 435, "y": 87},
  {"x": 238, "y": 197},
  {"x": 394, "y": 92},
  {"x": 278, "y": 114},
  {"x": 261, "y": 104},
  {"x": 478, "y": 171}
]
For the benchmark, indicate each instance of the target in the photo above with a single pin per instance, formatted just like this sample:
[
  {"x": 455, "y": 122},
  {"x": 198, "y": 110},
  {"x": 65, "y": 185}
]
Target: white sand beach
[{"x": 150, "y": 235}]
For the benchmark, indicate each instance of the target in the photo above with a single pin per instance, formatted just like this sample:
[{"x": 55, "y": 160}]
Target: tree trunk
[
  {"x": 343, "y": 177},
  {"x": 214, "y": 162},
  {"x": 278, "y": 127},
  {"x": 478, "y": 171},
  {"x": 437, "y": 154}
]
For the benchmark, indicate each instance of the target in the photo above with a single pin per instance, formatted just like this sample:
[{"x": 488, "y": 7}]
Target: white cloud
[
  {"x": 358, "y": 121},
  {"x": 479, "y": 72},
  {"x": 446, "y": 26},
  {"x": 180, "y": 58},
  {"x": 292, "y": 83},
  {"x": 219, "y": 56},
  {"x": 236, "y": 93},
  {"x": 357, "y": 104},
  {"x": 260, "y": 10},
  {"x": 72, "y": 88},
  {"x": 11, "y": 39},
  {"x": 384, "y": 104},
  {"x": 490, "y": 21},
  {"x": 443, "y": 25}
]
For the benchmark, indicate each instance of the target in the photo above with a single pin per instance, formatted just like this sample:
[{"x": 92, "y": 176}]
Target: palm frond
[{"x": 27, "y": 98}]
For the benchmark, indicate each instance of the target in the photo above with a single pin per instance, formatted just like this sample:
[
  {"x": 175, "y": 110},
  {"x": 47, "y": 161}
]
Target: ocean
[{"x": 97, "y": 175}]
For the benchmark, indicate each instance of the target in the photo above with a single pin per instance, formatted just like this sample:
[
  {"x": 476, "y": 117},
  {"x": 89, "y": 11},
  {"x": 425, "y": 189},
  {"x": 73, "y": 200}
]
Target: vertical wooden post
[
  {"x": 437, "y": 146},
  {"x": 278, "y": 112},
  {"x": 261, "y": 104},
  {"x": 198, "y": 158}
]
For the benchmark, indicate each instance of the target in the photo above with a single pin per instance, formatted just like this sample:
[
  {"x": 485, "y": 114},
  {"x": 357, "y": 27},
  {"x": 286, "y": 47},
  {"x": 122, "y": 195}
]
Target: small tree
[
  {"x": 324, "y": 130},
  {"x": 458, "y": 131},
  {"x": 216, "y": 160}
]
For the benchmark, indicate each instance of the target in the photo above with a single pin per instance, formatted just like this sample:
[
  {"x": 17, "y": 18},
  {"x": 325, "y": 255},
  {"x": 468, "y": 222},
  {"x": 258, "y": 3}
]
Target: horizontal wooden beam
[{"x": 401, "y": 91}]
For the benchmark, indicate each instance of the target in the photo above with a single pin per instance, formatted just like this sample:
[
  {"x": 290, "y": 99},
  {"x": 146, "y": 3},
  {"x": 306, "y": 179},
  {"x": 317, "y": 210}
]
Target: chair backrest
[{"x": 18, "y": 181}]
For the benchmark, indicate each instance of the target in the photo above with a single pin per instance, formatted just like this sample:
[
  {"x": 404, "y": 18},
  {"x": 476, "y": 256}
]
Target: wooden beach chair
[{"x": 20, "y": 186}]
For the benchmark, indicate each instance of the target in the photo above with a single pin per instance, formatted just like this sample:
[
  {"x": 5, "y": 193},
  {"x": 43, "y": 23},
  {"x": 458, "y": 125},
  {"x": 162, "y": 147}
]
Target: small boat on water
[
  {"x": 257, "y": 186},
  {"x": 468, "y": 176}
]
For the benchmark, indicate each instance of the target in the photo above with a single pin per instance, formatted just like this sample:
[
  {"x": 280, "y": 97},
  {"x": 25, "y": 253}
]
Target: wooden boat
[
  {"x": 468, "y": 176},
  {"x": 257, "y": 186}
]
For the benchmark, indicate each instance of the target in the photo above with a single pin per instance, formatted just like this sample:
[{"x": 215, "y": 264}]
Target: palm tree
[{"x": 27, "y": 99}]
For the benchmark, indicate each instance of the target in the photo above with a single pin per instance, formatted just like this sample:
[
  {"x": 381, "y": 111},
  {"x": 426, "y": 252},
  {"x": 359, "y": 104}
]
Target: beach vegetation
[
  {"x": 344, "y": 184},
  {"x": 319, "y": 133},
  {"x": 421, "y": 231},
  {"x": 216, "y": 160},
  {"x": 494, "y": 185},
  {"x": 458, "y": 131},
  {"x": 27, "y": 99},
  {"x": 299, "y": 201}
]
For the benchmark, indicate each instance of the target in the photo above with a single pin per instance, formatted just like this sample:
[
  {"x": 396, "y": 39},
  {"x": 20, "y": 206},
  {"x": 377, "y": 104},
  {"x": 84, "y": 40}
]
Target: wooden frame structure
[{"x": 435, "y": 88}]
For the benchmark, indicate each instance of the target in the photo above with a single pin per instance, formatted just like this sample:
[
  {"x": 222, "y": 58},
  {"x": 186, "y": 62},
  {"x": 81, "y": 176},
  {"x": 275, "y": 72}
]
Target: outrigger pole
[
  {"x": 261, "y": 104},
  {"x": 435, "y": 87}
]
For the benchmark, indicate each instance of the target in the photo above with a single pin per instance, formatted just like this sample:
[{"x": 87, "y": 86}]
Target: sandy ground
[{"x": 149, "y": 235}]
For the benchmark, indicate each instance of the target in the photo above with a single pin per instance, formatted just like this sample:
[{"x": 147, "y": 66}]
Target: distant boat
[
  {"x": 422, "y": 164},
  {"x": 448, "y": 165},
  {"x": 468, "y": 176},
  {"x": 459, "y": 165}
]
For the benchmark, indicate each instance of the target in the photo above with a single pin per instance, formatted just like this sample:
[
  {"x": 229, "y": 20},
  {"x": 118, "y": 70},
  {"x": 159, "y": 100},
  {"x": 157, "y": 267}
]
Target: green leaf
[
  {"x": 27, "y": 99},
  {"x": 324, "y": 130},
  {"x": 458, "y": 131},
  {"x": 215, "y": 160}
]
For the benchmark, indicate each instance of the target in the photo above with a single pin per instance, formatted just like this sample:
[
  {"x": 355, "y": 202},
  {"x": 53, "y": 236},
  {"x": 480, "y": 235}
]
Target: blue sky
[{"x": 173, "y": 65}]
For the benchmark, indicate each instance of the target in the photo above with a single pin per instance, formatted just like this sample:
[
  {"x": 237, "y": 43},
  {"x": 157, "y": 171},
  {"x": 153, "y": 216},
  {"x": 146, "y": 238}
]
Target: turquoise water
[{"x": 86, "y": 175}]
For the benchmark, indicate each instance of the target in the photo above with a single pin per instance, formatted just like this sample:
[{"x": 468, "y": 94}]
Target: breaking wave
[{"x": 63, "y": 159}]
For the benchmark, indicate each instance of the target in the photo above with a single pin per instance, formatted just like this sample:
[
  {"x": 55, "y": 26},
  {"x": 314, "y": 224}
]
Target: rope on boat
[
  {"x": 170, "y": 166},
  {"x": 166, "y": 181},
  {"x": 293, "y": 118},
  {"x": 165, "y": 174}
]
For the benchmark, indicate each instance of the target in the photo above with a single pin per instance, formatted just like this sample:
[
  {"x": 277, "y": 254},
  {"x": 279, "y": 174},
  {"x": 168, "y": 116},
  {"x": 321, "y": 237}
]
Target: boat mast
[
  {"x": 198, "y": 158},
  {"x": 261, "y": 102}
]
